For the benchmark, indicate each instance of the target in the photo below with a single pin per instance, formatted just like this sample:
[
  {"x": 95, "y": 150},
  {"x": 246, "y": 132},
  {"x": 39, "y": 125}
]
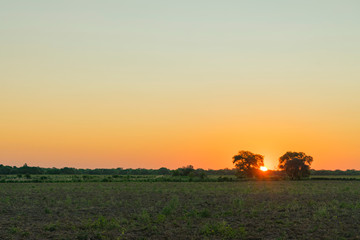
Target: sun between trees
[{"x": 295, "y": 165}]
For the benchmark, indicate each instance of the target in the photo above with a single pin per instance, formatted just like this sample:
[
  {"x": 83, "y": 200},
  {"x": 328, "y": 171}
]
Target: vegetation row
[{"x": 293, "y": 165}]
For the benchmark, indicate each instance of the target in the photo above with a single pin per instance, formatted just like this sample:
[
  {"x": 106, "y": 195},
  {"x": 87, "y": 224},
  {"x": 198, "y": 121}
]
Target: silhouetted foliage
[
  {"x": 295, "y": 164},
  {"x": 190, "y": 172},
  {"x": 184, "y": 171},
  {"x": 349, "y": 172},
  {"x": 248, "y": 164},
  {"x": 164, "y": 171},
  {"x": 224, "y": 179},
  {"x": 225, "y": 171}
]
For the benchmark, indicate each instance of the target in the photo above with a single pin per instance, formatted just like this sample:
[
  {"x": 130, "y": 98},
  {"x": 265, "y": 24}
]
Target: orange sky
[{"x": 134, "y": 84}]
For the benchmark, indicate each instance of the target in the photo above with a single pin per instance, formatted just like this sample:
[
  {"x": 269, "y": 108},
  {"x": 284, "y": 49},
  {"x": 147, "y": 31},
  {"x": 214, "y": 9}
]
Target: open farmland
[{"x": 187, "y": 210}]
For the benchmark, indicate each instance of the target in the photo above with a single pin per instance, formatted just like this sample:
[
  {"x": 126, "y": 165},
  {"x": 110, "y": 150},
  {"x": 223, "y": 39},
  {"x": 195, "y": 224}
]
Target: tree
[
  {"x": 163, "y": 171},
  {"x": 295, "y": 164},
  {"x": 248, "y": 164},
  {"x": 184, "y": 171}
]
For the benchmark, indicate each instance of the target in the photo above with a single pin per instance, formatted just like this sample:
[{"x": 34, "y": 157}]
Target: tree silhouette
[
  {"x": 295, "y": 164},
  {"x": 247, "y": 164}
]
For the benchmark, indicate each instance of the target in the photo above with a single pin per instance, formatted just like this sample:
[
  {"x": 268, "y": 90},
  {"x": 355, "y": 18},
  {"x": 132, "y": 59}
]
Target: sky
[{"x": 162, "y": 83}]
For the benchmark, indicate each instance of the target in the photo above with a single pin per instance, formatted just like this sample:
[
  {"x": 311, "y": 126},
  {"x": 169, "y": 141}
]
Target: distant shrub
[
  {"x": 76, "y": 179},
  {"x": 224, "y": 179},
  {"x": 189, "y": 171},
  {"x": 108, "y": 179},
  {"x": 43, "y": 178}
]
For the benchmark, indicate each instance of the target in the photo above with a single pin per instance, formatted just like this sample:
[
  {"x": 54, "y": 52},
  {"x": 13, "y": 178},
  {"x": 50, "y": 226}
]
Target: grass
[
  {"x": 26, "y": 178},
  {"x": 109, "y": 178},
  {"x": 181, "y": 210}
]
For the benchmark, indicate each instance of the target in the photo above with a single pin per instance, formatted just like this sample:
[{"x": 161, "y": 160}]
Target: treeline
[
  {"x": 184, "y": 171},
  {"x": 349, "y": 172}
]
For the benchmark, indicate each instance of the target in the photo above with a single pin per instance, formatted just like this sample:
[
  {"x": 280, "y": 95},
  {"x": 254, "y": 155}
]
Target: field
[
  {"x": 26, "y": 178},
  {"x": 186, "y": 210}
]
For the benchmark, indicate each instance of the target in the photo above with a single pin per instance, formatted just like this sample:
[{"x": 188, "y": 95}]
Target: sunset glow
[
  {"x": 155, "y": 84},
  {"x": 263, "y": 168}
]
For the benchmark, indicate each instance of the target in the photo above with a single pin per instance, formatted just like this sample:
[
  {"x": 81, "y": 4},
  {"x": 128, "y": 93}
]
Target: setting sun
[{"x": 263, "y": 168}]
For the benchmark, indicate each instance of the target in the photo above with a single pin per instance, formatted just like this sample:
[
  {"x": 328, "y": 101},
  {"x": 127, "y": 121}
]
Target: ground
[{"x": 184, "y": 210}]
